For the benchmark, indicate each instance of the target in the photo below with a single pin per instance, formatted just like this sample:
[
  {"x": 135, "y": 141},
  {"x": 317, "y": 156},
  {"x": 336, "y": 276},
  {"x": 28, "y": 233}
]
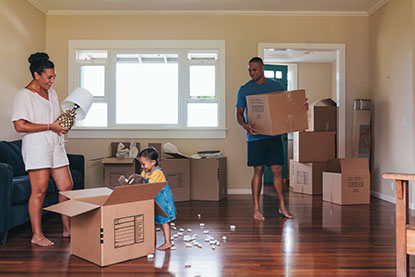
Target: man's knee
[
  {"x": 276, "y": 170},
  {"x": 258, "y": 171}
]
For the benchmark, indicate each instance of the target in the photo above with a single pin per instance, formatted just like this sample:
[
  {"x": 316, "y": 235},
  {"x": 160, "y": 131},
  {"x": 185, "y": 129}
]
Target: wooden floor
[{"x": 323, "y": 240}]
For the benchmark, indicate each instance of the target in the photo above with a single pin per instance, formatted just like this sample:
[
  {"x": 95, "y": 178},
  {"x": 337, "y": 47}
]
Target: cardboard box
[
  {"x": 277, "y": 112},
  {"x": 111, "y": 226},
  {"x": 177, "y": 173},
  {"x": 307, "y": 177},
  {"x": 314, "y": 146},
  {"x": 361, "y": 136},
  {"x": 156, "y": 145},
  {"x": 322, "y": 115},
  {"x": 114, "y": 168},
  {"x": 208, "y": 179},
  {"x": 347, "y": 181}
]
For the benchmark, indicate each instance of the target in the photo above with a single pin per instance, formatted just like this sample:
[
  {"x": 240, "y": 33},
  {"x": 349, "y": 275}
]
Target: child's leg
[{"x": 167, "y": 240}]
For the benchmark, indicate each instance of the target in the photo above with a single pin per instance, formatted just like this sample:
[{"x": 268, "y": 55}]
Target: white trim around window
[{"x": 183, "y": 48}]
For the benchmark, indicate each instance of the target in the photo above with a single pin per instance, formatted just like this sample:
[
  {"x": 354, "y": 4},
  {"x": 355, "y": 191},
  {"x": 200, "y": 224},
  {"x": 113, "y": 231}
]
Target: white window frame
[{"x": 156, "y": 131}]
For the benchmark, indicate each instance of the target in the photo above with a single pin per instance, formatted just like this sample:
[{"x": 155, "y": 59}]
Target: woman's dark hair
[
  {"x": 150, "y": 153},
  {"x": 38, "y": 62}
]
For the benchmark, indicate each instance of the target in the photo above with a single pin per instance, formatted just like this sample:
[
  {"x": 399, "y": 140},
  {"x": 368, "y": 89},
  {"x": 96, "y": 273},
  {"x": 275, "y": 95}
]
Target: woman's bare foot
[
  {"x": 42, "y": 241},
  {"x": 285, "y": 213},
  {"x": 257, "y": 215},
  {"x": 165, "y": 246}
]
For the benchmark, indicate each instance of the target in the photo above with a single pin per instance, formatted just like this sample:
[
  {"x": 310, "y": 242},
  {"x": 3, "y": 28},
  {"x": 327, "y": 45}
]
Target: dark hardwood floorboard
[{"x": 323, "y": 240}]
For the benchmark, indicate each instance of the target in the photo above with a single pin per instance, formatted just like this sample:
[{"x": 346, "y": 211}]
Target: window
[{"x": 169, "y": 89}]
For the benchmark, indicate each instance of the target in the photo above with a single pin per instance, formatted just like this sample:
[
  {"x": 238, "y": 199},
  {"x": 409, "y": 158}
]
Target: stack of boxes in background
[
  {"x": 313, "y": 148},
  {"x": 189, "y": 179}
]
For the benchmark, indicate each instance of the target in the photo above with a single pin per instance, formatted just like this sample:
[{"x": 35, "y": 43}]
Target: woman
[{"x": 35, "y": 111}]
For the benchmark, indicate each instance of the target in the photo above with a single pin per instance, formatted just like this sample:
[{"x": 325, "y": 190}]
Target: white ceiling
[
  {"x": 311, "y": 7},
  {"x": 294, "y": 56}
]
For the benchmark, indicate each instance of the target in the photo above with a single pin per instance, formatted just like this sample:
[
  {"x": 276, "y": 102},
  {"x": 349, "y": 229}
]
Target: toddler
[{"x": 152, "y": 173}]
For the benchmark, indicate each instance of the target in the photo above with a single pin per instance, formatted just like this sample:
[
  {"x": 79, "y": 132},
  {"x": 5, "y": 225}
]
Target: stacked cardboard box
[
  {"x": 311, "y": 151},
  {"x": 313, "y": 148}
]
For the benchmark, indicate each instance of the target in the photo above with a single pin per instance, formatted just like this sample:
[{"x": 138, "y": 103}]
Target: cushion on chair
[{"x": 10, "y": 153}]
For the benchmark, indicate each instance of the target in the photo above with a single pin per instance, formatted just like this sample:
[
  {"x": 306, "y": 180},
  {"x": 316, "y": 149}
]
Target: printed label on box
[
  {"x": 302, "y": 177},
  {"x": 355, "y": 183},
  {"x": 128, "y": 230}
]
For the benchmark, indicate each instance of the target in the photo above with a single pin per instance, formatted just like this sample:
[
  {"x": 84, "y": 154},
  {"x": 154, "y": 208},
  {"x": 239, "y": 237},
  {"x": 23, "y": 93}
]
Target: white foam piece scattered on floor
[
  {"x": 179, "y": 233},
  {"x": 150, "y": 256},
  {"x": 202, "y": 224},
  {"x": 174, "y": 228},
  {"x": 189, "y": 230},
  {"x": 224, "y": 237},
  {"x": 173, "y": 248},
  {"x": 189, "y": 245},
  {"x": 213, "y": 247},
  {"x": 206, "y": 232},
  {"x": 172, "y": 223},
  {"x": 207, "y": 239},
  {"x": 197, "y": 274},
  {"x": 199, "y": 215},
  {"x": 187, "y": 238},
  {"x": 187, "y": 264},
  {"x": 158, "y": 229},
  {"x": 232, "y": 227},
  {"x": 212, "y": 242},
  {"x": 217, "y": 243},
  {"x": 181, "y": 230}
]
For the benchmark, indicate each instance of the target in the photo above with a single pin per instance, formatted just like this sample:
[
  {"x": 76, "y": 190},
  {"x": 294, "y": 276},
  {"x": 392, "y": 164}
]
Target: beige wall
[
  {"x": 242, "y": 35},
  {"x": 391, "y": 62},
  {"x": 22, "y": 32},
  {"x": 316, "y": 79}
]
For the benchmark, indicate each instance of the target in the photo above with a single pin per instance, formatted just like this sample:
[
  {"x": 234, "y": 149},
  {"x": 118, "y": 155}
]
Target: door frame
[{"x": 340, "y": 80}]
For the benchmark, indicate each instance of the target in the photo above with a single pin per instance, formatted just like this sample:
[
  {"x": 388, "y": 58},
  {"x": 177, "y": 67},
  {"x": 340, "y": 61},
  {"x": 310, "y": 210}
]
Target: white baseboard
[
  {"x": 239, "y": 191},
  {"x": 390, "y": 199},
  {"x": 381, "y": 196}
]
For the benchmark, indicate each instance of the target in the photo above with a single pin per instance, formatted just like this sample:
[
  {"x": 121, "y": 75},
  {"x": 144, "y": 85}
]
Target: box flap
[
  {"x": 117, "y": 161},
  {"x": 324, "y": 102},
  {"x": 85, "y": 193},
  {"x": 159, "y": 210},
  {"x": 354, "y": 165},
  {"x": 127, "y": 194},
  {"x": 332, "y": 165},
  {"x": 72, "y": 208}
]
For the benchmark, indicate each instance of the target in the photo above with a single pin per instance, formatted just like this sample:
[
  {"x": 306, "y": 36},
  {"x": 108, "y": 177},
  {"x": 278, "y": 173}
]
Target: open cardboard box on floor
[
  {"x": 347, "y": 181},
  {"x": 277, "y": 113},
  {"x": 111, "y": 226}
]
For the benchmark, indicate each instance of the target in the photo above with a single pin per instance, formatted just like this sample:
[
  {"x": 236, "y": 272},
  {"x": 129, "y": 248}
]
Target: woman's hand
[{"x": 57, "y": 128}]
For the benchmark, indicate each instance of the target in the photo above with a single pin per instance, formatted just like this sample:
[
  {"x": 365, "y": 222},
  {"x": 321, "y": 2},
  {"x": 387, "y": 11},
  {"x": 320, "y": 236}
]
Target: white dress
[{"x": 40, "y": 149}]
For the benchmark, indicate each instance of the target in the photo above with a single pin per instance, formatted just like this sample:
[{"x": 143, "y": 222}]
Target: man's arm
[{"x": 241, "y": 120}]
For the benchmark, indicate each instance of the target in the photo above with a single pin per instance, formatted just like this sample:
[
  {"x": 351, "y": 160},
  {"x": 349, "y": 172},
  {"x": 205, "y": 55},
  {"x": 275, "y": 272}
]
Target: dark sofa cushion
[
  {"x": 10, "y": 153},
  {"x": 21, "y": 189}
]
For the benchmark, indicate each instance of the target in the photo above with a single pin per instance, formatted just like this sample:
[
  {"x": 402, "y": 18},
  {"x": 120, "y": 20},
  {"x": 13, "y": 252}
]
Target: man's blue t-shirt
[{"x": 251, "y": 88}]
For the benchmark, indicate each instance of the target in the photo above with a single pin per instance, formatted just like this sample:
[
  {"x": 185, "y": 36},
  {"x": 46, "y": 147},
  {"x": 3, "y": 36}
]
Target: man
[{"x": 262, "y": 149}]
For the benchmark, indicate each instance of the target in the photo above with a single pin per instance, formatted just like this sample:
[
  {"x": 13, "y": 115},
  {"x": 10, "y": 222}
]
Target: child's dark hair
[
  {"x": 38, "y": 62},
  {"x": 150, "y": 153}
]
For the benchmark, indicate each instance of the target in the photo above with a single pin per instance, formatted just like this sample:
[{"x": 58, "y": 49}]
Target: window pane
[
  {"x": 96, "y": 117},
  {"x": 278, "y": 74},
  {"x": 202, "y": 81},
  {"x": 202, "y": 114},
  {"x": 93, "y": 79},
  {"x": 269, "y": 74},
  {"x": 146, "y": 93}
]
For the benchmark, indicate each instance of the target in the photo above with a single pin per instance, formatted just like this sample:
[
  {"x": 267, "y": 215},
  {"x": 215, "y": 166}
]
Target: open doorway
[{"x": 292, "y": 54}]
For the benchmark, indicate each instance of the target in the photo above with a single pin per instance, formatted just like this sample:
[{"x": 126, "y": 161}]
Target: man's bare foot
[
  {"x": 66, "y": 234},
  {"x": 165, "y": 246},
  {"x": 285, "y": 213},
  {"x": 257, "y": 215},
  {"x": 42, "y": 241}
]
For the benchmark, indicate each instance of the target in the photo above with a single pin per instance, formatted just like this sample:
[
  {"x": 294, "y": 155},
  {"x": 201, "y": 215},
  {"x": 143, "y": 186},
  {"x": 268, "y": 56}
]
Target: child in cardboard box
[{"x": 148, "y": 159}]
